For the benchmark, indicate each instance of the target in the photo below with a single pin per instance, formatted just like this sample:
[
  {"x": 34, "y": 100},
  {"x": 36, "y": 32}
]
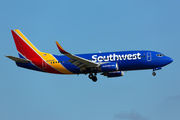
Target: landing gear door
[{"x": 149, "y": 57}]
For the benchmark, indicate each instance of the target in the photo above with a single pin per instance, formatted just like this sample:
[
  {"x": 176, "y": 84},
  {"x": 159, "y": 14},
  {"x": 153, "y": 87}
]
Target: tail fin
[
  {"x": 25, "y": 48},
  {"x": 33, "y": 58}
]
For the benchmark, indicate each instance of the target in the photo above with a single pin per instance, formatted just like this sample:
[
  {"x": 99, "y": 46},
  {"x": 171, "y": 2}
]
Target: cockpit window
[{"x": 160, "y": 55}]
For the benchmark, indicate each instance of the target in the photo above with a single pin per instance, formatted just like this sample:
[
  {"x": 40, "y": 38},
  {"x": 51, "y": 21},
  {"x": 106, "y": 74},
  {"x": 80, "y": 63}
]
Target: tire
[
  {"x": 94, "y": 79},
  {"x": 154, "y": 74},
  {"x": 91, "y": 76}
]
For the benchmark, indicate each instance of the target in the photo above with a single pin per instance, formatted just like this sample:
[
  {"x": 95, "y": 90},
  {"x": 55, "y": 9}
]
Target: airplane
[{"x": 110, "y": 64}]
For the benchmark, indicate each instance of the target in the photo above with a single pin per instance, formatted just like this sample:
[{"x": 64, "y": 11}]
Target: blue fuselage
[{"x": 126, "y": 60}]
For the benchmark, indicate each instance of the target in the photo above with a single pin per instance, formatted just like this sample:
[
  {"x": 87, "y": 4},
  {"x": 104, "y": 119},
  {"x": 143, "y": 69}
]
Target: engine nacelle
[
  {"x": 115, "y": 74},
  {"x": 113, "y": 66}
]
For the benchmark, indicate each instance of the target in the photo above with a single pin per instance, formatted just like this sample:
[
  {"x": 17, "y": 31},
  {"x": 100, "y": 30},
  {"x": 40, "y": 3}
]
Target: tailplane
[{"x": 19, "y": 60}]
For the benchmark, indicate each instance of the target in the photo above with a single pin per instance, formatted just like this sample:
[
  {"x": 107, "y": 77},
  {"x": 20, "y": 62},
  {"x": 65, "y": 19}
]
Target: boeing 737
[{"x": 110, "y": 64}]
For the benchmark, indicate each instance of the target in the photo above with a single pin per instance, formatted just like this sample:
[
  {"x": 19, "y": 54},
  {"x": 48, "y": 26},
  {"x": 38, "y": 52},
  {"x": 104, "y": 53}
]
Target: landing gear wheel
[
  {"x": 154, "y": 74},
  {"x": 91, "y": 76},
  {"x": 94, "y": 79}
]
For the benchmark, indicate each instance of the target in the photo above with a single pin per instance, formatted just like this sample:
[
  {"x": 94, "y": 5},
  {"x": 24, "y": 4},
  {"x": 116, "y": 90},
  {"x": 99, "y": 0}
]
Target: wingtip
[{"x": 60, "y": 48}]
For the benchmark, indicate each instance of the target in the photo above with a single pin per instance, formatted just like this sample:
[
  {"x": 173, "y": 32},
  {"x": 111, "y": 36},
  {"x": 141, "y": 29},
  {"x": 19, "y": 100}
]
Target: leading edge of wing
[{"x": 86, "y": 62}]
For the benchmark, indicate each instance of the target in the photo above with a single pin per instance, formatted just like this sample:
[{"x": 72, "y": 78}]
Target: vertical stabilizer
[
  {"x": 24, "y": 46},
  {"x": 39, "y": 59}
]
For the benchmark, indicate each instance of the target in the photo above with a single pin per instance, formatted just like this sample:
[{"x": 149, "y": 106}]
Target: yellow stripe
[
  {"x": 58, "y": 66},
  {"x": 27, "y": 41},
  {"x": 46, "y": 56}
]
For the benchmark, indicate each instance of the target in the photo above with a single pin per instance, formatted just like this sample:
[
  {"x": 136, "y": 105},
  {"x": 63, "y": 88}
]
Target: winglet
[{"x": 61, "y": 49}]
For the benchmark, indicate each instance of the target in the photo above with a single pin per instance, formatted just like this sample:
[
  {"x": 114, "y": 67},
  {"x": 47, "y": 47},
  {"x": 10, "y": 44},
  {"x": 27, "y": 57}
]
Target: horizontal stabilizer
[{"x": 19, "y": 60}]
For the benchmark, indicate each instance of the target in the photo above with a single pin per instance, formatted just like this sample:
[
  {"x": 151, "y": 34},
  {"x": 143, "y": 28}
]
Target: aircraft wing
[
  {"x": 76, "y": 60},
  {"x": 20, "y": 60}
]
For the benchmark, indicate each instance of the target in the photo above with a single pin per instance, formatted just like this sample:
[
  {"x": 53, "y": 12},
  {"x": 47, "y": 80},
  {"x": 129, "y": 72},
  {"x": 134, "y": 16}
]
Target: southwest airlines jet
[{"x": 110, "y": 64}]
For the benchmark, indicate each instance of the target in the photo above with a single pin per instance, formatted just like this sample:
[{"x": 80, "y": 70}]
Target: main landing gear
[{"x": 93, "y": 77}]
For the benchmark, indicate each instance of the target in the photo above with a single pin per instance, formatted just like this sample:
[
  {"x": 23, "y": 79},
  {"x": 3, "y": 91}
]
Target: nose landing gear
[
  {"x": 93, "y": 77},
  {"x": 154, "y": 73},
  {"x": 154, "y": 69}
]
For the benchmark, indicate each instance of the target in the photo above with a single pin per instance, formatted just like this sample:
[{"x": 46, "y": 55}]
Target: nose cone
[{"x": 169, "y": 60}]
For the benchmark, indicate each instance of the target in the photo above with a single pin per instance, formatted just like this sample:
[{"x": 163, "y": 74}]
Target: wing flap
[{"x": 19, "y": 60}]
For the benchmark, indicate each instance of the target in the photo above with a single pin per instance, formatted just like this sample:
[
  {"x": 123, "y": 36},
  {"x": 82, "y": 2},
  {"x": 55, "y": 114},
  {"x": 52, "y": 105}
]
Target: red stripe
[{"x": 30, "y": 54}]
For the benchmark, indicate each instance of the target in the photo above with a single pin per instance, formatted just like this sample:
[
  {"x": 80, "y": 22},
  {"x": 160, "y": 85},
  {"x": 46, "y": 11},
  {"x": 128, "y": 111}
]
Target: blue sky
[{"x": 85, "y": 27}]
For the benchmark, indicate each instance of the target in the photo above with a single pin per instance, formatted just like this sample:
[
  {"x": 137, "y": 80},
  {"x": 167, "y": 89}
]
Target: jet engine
[
  {"x": 114, "y": 74},
  {"x": 108, "y": 67}
]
